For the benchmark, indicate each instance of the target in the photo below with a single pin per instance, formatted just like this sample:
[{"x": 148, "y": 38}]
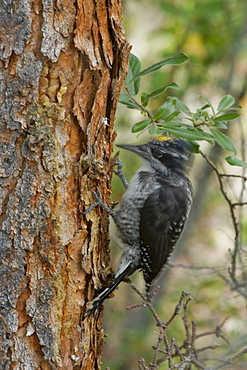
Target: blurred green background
[{"x": 214, "y": 36}]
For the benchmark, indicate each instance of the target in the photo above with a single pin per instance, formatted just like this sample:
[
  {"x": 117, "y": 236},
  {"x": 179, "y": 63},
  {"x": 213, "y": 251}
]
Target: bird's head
[{"x": 165, "y": 155}]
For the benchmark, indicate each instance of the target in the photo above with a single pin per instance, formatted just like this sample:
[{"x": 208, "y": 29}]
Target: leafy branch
[{"x": 173, "y": 117}]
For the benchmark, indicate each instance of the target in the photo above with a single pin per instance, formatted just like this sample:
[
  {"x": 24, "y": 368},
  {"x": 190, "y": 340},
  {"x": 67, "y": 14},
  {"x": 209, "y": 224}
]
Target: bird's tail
[{"x": 96, "y": 303}]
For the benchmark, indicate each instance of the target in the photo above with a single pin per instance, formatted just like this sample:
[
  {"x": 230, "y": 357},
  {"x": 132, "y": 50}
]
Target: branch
[
  {"x": 190, "y": 267},
  {"x": 236, "y": 250},
  {"x": 234, "y": 285},
  {"x": 168, "y": 351}
]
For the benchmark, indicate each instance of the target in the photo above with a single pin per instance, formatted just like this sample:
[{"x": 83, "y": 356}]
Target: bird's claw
[
  {"x": 99, "y": 202},
  {"x": 119, "y": 172}
]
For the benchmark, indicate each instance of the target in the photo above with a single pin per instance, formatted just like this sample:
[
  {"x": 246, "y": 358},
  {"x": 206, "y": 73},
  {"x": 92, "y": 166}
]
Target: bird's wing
[{"x": 162, "y": 219}]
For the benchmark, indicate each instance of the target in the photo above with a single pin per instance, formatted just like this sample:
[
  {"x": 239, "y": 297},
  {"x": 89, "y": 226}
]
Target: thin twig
[
  {"x": 230, "y": 360},
  {"x": 187, "y": 353},
  {"x": 177, "y": 308},
  {"x": 190, "y": 267},
  {"x": 232, "y": 271},
  {"x": 244, "y": 178}
]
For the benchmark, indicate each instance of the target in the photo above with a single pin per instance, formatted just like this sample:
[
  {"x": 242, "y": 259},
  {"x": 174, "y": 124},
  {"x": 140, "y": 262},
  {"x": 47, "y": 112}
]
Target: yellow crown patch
[{"x": 163, "y": 138}]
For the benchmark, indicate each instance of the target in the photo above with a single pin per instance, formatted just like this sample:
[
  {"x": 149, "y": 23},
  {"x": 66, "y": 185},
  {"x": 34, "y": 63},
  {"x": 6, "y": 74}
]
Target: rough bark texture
[{"x": 62, "y": 67}]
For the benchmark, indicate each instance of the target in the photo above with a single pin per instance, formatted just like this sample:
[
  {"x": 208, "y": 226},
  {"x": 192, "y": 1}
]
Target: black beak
[
  {"x": 132, "y": 148},
  {"x": 138, "y": 149}
]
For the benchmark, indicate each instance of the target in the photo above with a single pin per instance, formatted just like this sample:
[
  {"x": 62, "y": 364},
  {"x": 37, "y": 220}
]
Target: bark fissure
[{"x": 62, "y": 67}]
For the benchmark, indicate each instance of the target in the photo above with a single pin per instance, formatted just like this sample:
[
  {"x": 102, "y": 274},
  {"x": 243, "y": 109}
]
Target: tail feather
[{"x": 96, "y": 303}]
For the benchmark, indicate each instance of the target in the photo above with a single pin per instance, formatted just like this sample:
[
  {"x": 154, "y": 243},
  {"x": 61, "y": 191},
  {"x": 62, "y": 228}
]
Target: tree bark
[{"x": 62, "y": 67}]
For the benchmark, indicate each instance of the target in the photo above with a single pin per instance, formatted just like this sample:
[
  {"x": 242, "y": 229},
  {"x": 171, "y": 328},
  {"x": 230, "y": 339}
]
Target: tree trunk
[{"x": 62, "y": 67}]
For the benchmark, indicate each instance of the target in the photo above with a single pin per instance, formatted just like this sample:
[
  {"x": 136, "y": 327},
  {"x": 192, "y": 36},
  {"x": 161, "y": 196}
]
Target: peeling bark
[{"x": 62, "y": 67}]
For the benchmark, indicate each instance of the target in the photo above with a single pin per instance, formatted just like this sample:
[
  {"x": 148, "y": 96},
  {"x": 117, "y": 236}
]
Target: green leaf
[
  {"x": 206, "y": 106},
  {"x": 139, "y": 126},
  {"x": 165, "y": 110},
  {"x": 124, "y": 98},
  {"x": 177, "y": 59},
  {"x": 155, "y": 93},
  {"x": 131, "y": 104},
  {"x": 201, "y": 116},
  {"x": 227, "y": 117},
  {"x": 134, "y": 64},
  {"x": 224, "y": 141},
  {"x": 134, "y": 68},
  {"x": 189, "y": 135},
  {"x": 195, "y": 146},
  {"x": 226, "y": 102},
  {"x": 237, "y": 107},
  {"x": 182, "y": 107},
  {"x": 144, "y": 99},
  {"x": 210, "y": 105},
  {"x": 233, "y": 161},
  {"x": 155, "y": 131},
  {"x": 173, "y": 116},
  {"x": 175, "y": 124},
  {"x": 220, "y": 125}
]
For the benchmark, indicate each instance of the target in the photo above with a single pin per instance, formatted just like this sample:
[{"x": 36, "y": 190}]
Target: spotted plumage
[{"x": 162, "y": 220}]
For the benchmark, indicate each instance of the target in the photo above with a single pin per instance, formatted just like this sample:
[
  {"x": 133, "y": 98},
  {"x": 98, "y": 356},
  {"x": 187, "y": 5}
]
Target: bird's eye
[{"x": 157, "y": 153}]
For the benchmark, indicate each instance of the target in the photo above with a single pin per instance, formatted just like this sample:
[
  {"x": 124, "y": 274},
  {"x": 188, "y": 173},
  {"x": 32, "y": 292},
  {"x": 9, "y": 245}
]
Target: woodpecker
[{"x": 153, "y": 211}]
